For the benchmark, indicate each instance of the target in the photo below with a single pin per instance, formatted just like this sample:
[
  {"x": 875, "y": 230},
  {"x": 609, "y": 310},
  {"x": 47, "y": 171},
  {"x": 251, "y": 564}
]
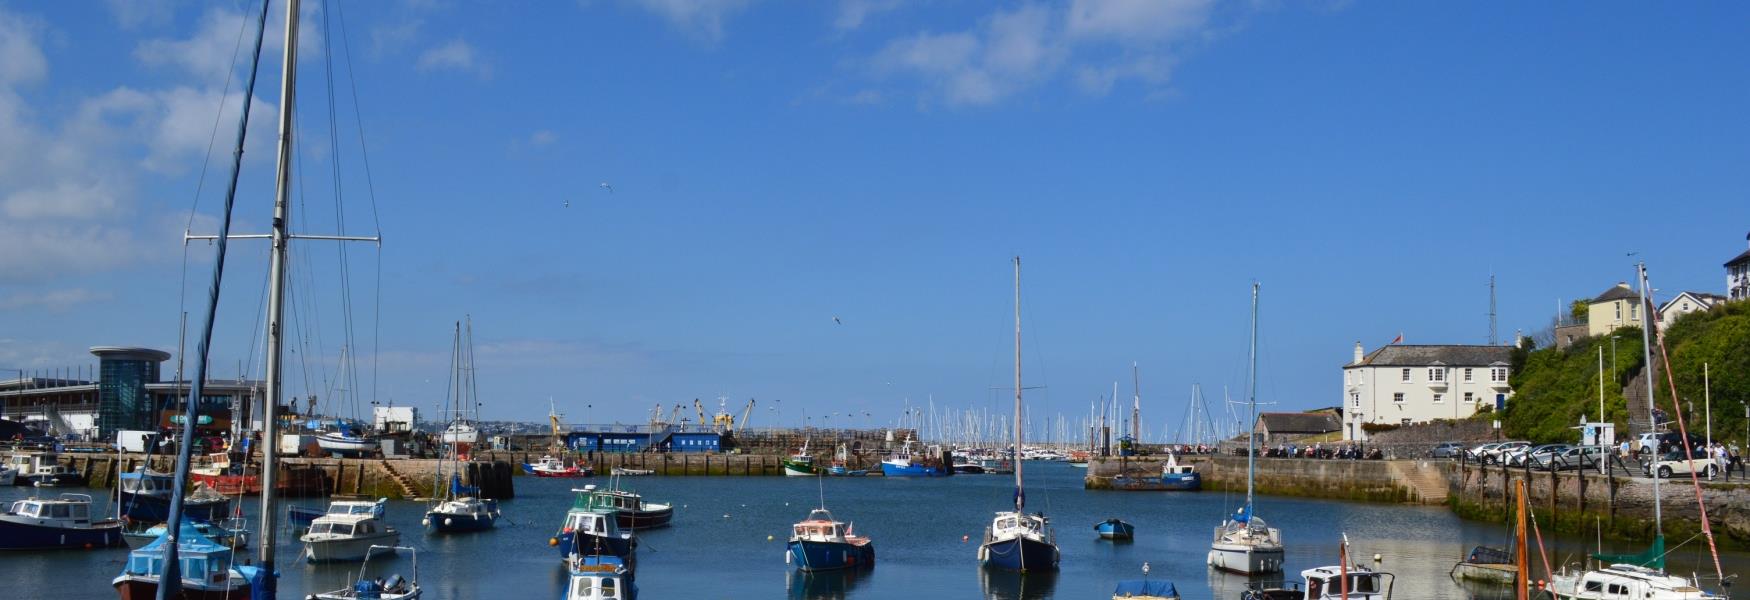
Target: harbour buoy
[
  {"x": 1376, "y": 557},
  {"x": 725, "y": 515},
  {"x": 964, "y": 538},
  {"x": 769, "y": 538},
  {"x": 552, "y": 541}
]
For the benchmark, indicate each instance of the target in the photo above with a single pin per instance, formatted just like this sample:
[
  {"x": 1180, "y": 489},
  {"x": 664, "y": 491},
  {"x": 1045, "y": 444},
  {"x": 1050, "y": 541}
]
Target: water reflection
[
  {"x": 825, "y": 585},
  {"x": 1230, "y": 585},
  {"x": 1009, "y": 585}
]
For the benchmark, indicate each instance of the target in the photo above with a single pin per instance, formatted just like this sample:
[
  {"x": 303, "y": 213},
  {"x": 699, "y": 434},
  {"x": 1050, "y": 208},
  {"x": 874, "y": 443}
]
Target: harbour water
[{"x": 718, "y": 547}]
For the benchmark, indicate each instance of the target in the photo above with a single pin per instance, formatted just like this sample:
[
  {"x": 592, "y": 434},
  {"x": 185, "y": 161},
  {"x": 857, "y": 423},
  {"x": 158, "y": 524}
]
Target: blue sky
[{"x": 775, "y": 165}]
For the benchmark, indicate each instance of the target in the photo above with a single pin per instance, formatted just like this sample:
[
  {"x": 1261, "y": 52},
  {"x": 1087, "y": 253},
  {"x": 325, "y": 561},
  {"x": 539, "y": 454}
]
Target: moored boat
[
  {"x": 1115, "y": 529},
  {"x": 145, "y": 496},
  {"x": 54, "y": 523},
  {"x": 800, "y": 464},
  {"x": 592, "y": 530},
  {"x": 393, "y": 587},
  {"x": 232, "y": 533},
  {"x": 618, "y": 471},
  {"x": 350, "y": 537},
  {"x": 208, "y": 571},
  {"x": 1245, "y": 544},
  {"x": 42, "y": 469},
  {"x": 1491, "y": 565},
  {"x": 819, "y": 543},
  {"x": 1015, "y": 540},
  {"x": 903, "y": 463},
  {"x": 598, "y": 577},
  {"x": 550, "y": 466},
  {"x": 630, "y": 509}
]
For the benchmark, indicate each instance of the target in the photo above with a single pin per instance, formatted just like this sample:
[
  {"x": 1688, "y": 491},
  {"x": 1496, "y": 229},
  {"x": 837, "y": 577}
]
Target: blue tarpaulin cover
[{"x": 1145, "y": 589}]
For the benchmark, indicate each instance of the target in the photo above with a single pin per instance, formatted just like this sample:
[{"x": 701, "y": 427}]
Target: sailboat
[
  {"x": 1245, "y": 544},
  {"x": 459, "y": 507},
  {"x": 1641, "y": 575},
  {"x": 182, "y": 563},
  {"x": 1015, "y": 540}
]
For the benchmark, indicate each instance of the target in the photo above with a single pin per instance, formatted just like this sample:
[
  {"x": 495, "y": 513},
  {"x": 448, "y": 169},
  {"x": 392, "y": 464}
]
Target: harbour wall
[
  {"x": 396, "y": 479},
  {"x": 686, "y": 463},
  {"x": 1588, "y": 503},
  {"x": 1400, "y": 481}
]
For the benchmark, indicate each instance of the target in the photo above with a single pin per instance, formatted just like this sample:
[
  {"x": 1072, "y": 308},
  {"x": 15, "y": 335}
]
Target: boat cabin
[
  {"x": 591, "y": 522},
  {"x": 345, "y": 525},
  {"x": 147, "y": 483},
  {"x": 356, "y": 507},
  {"x": 819, "y": 527},
  {"x": 599, "y": 578},
  {"x": 45, "y": 463},
  {"x": 68, "y": 510},
  {"x": 204, "y": 562},
  {"x": 1364, "y": 583},
  {"x": 1010, "y": 524},
  {"x": 1630, "y": 581},
  {"x": 613, "y": 499}
]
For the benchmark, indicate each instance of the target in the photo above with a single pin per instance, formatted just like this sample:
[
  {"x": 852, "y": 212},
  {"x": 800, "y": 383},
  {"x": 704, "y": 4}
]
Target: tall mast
[
  {"x": 1252, "y": 399},
  {"x": 1135, "y": 407},
  {"x": 1647, "y": 359},
  {"x": 1020, "y": 497},
  {"x": 276, "y": 299}
]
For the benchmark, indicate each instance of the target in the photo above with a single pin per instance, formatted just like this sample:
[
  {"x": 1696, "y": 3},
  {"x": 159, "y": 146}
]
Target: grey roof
[
  {"x": 1405, "y": 355},
  {"x": 1619, "y": 291},
  {"x": 1741, "y": 258},
  {"x": 1701, "y": 296},
  {"x": 1285, "y": 422}
]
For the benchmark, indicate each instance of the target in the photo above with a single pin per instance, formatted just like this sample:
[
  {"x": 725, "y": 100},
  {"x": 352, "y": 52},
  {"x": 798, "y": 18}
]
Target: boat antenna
[{"x": 170, "y": 580}]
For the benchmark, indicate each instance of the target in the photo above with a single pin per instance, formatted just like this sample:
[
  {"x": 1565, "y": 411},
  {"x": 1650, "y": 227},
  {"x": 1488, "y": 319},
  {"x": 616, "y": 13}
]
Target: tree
[{"x": 1579, "y": 309}]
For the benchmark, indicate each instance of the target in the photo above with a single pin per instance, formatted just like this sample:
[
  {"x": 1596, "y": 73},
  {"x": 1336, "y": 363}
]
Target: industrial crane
[{"x": 745, "y": 413}]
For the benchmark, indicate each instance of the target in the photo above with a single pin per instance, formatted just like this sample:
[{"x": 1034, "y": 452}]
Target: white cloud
[
  {"x": 1098, "y": 43},
  {"x": 21, "y": 58},
  {"x": 225, "y": 36},
  {"x": 852, "y": 13},
  {"x": 455, "y": 55},
  {"x": 1007, "y": 52},
  {"x": 135, "y": 13},
  {"x": 1137, "y": 21},
  {"x": 703, "y": 18},
  {"x": 53, "y": 300},
  {"x": 67, "y": 199},
  {"x": 543, "y": 137},
  {"x": 387, "y": 39}
]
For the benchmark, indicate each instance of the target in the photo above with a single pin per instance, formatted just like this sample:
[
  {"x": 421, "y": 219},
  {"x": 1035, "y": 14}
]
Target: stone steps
[
  {"x": 408, "y": 490},
  {"x": 1426, "y": 479}
]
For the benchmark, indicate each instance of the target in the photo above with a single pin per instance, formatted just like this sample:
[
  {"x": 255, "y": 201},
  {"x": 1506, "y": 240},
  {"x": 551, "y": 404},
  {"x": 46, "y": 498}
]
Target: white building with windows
[
  {"x": 1738, "y": 275},
  {"x": 1401, "y": 384},
  {"x": 1685, "y": 303}
]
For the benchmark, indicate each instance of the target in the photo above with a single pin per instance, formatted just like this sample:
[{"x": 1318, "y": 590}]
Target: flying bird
[
  {"x": 836, "y": 320},
  {"x": 607, "y": 187},
  {"x": 567, "y": 203}
]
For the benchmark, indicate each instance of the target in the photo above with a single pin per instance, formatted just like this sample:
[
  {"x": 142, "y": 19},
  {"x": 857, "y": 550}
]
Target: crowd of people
[{"x": 1318, "y": 451}]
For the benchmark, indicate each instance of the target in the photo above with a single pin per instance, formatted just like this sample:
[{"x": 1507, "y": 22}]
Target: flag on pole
[{"x": 1398, "y": 339}]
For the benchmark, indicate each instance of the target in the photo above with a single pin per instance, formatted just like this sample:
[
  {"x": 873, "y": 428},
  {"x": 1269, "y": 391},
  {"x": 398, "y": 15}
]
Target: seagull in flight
[
  {"x": 609, "y": 188},
  {"x": 836, "y": 320}
]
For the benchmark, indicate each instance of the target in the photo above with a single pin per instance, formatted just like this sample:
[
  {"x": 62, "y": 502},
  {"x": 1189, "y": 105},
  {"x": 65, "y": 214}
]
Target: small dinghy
[
  {"x": 393, "y": 588},
  {"x": 1114, "y": 529}
]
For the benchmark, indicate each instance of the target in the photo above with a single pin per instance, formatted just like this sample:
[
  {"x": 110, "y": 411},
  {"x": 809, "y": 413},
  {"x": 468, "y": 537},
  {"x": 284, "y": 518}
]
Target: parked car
[
  {"x": 1528, "y": 455},
  {"x": 1572, "y": 457},
  {"x": 1447, "y": 450},
  {"x": 1499, "y": 453},
  {"x": 1673, "y": 463},
  {"x": 1646, "y": 443},
  {"x": 1481, "y": 450}
]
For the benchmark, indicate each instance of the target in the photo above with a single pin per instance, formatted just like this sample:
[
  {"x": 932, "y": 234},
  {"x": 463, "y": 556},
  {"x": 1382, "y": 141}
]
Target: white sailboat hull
[
  {"x": 353, "y": 548},
  {"x": 1245, "y": 559}
]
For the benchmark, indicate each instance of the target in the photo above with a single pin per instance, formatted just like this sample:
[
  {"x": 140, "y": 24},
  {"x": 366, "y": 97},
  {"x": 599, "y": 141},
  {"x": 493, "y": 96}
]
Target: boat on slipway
[
  {"x": 820, "y": 543},
  {"x": 54, "y": 523}
]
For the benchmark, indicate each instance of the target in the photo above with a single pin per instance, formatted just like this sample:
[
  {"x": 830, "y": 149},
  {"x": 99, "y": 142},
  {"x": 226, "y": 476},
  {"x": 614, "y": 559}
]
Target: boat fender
[
  {"x": 448, "y": 521},
  {"x": 426, "y": 521},
  {"x": 786, "y": 557}
]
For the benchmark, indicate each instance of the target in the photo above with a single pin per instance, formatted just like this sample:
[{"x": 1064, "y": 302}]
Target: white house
[
  {"x": 1401, "y": 384},
  {"x": 1685, "y": 303},
  {"x": 1738, "y": 275},
  {"x": 1619, "y": 306}
]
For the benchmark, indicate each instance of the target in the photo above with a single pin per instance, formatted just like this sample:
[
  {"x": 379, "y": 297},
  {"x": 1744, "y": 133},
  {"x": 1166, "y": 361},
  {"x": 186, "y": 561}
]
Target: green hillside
[{"x": 1552, "y": 387}]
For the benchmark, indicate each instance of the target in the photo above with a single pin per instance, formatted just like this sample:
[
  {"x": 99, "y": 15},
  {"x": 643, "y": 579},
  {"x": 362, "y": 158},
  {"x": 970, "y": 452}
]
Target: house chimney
[{"x": 1358, "y": 354}]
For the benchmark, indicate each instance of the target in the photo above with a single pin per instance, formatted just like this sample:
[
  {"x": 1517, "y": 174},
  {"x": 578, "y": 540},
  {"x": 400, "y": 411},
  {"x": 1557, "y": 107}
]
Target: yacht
[
  {"x": 1245, "y": 544},
  {"x": 1625, "y": 581},
  {"x": 1015, "y": 540}
]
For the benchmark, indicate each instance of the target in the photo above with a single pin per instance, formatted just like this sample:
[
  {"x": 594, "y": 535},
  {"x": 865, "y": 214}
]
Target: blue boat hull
[
  {"x": 20, "y": 536},
  {"x": 829, "y": 556},
  {"x": 156, "y": 509},
  {"x": 1020, "y": 554},
  {"x": 1185, "y": 483},
  {"x": 1115, "y": 531},
  {"x": 447, "y": 523},
  {"x": 911, "y": 471},
  {"x": 620, "y": 547}
]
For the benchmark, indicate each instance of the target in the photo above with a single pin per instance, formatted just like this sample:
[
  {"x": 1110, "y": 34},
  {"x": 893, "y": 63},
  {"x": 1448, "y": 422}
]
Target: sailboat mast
[
  {"x": 1135, "y": 407},
  {"x": 276, "y": 301},
  {"x": 1652, "y": 416},
  {"x": 1020, "y": 498},
  {"x": 1252, "y": 399}
]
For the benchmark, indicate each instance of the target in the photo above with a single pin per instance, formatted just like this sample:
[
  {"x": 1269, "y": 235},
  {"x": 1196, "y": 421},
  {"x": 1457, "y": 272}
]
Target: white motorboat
[
  {"x": 345, "y": 443},
  {"x": 7, "y": 475},
  {"x": 1625, "y": 581},
  {"x": 348, "y": 537}
]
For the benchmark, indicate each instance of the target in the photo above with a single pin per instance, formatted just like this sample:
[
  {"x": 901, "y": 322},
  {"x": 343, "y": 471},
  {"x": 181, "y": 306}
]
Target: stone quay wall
[
  {"x": 398, "y": 479},
  {"x": 1622, "y": 507},
  {"x": 1364, "y": 480}
]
